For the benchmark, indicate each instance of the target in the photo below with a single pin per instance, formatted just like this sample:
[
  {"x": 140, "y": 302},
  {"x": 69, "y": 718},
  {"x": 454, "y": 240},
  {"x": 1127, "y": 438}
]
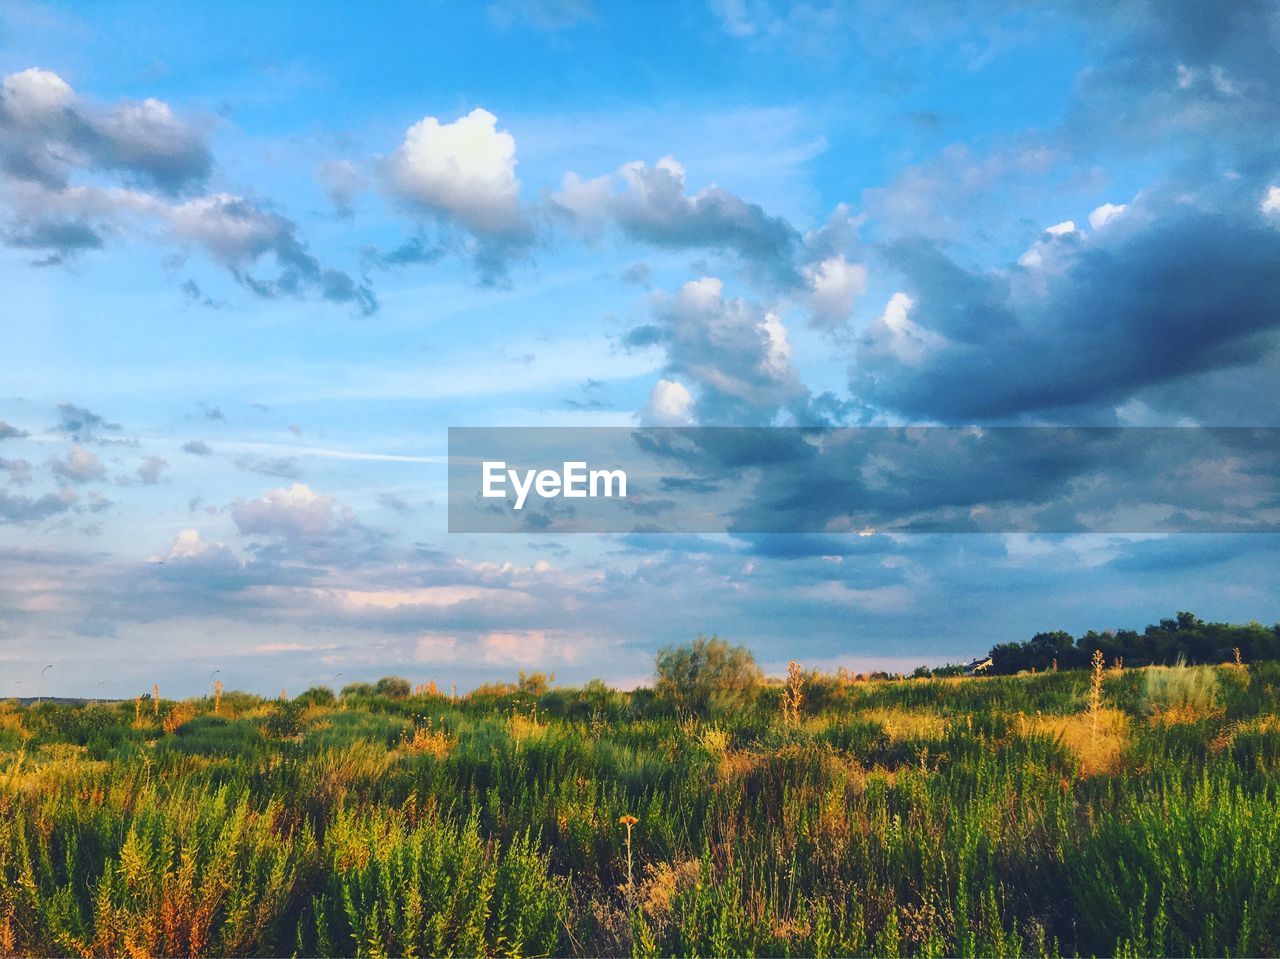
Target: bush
[
  {"x": 316, "y": 696},
  {"x": 708, "y": 677},
  {"x": 393, "y": 687}
]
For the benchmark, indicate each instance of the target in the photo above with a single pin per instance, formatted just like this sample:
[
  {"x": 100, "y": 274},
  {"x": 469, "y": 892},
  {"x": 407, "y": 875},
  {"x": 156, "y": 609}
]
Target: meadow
[{"x": 1106, "y": 811}]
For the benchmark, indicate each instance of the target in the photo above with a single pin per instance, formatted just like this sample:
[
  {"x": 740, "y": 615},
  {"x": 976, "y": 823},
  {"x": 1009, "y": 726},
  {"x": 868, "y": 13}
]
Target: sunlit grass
[{"x": 1037, "y": 815}]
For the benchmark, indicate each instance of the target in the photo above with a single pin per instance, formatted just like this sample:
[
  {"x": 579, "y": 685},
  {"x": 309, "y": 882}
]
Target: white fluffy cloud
[
  {"x": 898, "y": 336},
  {"x": 1105, "y": 214},
  {"x": 79, "y": 466},
  {"x": 464, "y": 171},
  {"x": 670, "y": 404},
  {"x": 295, "y": 511},
  {"x": 1271, "y": 202},
  {"x": 834, "y": 284}
]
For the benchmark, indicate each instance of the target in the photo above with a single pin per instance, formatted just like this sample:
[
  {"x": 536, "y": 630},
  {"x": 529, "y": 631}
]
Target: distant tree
[
  {"x": 535, "y": 684},
  {"x": 316, "y": 696},
  {"x": 393, "y": 687},
  {"x": 356, "y": 689},
  {"x": 707, "y": 677},
  {"x": 1184, "y": 637}
]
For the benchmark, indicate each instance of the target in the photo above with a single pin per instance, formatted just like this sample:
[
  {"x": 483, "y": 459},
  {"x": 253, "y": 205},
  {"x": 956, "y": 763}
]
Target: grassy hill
[{"x": 1114, "y": 811}]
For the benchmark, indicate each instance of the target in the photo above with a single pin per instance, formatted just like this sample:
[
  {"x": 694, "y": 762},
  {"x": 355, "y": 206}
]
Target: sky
[{"x": 255, "y": 261}]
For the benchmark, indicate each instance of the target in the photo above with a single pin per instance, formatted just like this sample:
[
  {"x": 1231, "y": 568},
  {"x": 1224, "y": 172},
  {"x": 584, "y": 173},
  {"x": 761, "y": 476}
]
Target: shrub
[
  {"x": 393, "y": 687},
  {"x": 708, "y": 677},
  {"x": 316, "y": 696}
]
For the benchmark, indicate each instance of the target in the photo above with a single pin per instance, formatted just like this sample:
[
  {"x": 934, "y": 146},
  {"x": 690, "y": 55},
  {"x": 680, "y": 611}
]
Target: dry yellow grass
[
  {"x": 180, "y": 713},
  {"x": 1097, "y": 738},
  {"x": 430, "y": 742},
  {"x": 908, "y": 724}
]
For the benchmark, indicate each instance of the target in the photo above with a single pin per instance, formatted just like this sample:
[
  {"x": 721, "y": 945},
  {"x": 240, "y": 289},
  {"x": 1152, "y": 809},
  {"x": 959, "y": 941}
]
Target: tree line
[{"x": 1185, "y": 638}]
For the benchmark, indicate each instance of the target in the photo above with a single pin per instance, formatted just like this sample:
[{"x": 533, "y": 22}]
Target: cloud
[
  {"x": 197, "y": 448},
  {"x": 152, "y": 469},
  {"x": 82, "y": 424},
  {"x": 78, "y": 466},
  {"x": 734, "y": 352},
  {"x": 670, "y": 404},
  {"x": 10, "y": 432},
  {"x": 395, "y": 503},
  {"x": 1176, "y": 292},
  {"x": 238, "y": 234},
  {"x": 1271, "y": 202},
  {"x": 306, "y": 525},
  {"x": 462, "y": 172},
  {"x": 834, "y": 284},
  {"x": 649, "y": 204},
  {"x": 76, "y": 175},
  {"x": 47, "y": 133},
  {"x": 25, "y": 509},
  {"x": 1104, "y": 214},
  {"x": 897, "y": 336},
  {"x": 19, "y": 471},
  {"x": 342, "y": 182},
  {"x": 543, "y": 14},
  {"x": 286, "y": 467}
]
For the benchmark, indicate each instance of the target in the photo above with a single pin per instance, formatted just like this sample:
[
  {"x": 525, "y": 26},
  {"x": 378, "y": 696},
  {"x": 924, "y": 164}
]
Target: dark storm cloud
[{"x": 1191, "y": 292}]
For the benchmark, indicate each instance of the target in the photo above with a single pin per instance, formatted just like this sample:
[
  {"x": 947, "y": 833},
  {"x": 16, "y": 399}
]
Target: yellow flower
[{"x": 628, "y": 820}]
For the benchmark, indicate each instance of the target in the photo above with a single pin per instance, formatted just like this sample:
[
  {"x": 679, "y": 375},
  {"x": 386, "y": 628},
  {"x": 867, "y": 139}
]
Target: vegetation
[
  {"x": 1115, "y": 811},
  {"x": 1182, "y": 639}
]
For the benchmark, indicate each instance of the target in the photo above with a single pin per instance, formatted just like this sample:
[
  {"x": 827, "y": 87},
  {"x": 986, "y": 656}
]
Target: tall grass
[{"x": 1000, "y": 816}]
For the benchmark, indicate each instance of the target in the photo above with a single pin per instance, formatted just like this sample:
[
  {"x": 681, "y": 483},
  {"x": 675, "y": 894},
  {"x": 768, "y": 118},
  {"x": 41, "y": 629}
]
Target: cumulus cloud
[
  {"x": 151, "y": 470},
  {"x": 26, "y": 509},
  {"x": 670, "y": 404},
  {"x": 143, "y": 169},
  {"x": 1104, "y": 214},
  {"x": 304, "y": 525},
  {"x": 650, "y": 204},
  {"x": 1174, "y": 293},
  {"x": 197, "y": 448},
  {"x": 47, "y": 133},
  {"x": 78, "y": 466},
  {"x": 735, "y": 353},
  {"x": 1271, "y": 202},
  {"x": 897, "y": 336},
  {"x": 461, "y": 173},
  {"x": 834, "y": 284}
]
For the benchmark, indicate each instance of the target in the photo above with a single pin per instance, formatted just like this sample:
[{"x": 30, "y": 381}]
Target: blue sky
[{"x": 255, "y": 262}]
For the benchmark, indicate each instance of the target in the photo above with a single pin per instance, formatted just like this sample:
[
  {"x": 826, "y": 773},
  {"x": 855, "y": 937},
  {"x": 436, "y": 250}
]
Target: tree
[
  {"x": 393, "y": 687},
  {"x": 708, "y": 676}
]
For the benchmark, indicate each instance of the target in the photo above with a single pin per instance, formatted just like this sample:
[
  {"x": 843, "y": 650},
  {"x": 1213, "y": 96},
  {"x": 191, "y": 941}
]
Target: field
[{"x": 1074, "y": 812}]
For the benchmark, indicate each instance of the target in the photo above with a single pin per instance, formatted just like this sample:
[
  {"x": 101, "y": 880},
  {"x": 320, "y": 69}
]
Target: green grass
[{"x": 928, "y": 817}]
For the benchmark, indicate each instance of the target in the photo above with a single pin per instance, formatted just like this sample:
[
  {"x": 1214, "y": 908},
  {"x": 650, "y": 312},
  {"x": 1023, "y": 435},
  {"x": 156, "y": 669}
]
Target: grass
[{"x": 1116, "y": 812}]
